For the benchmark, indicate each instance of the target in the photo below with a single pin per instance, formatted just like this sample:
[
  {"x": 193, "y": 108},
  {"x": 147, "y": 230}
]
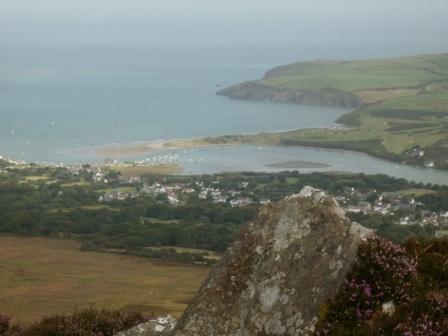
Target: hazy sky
[{"x": 406, "y": 25}]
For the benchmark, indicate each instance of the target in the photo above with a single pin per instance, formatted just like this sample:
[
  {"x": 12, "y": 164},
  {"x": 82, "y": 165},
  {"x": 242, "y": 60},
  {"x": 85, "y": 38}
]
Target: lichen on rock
[
  {"x": 278, "y": 274},
  {"x": 155, "y": 327}
]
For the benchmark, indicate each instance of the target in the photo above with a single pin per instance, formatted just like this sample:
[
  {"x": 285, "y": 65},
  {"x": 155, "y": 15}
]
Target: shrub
[
  {"x": 388, "y": 268},
  {"x": 6, "y": 329},
  {"x": 88, "y": 322},
  {"x": 4, "y": 324},
  {"x": 414, "y": 277},
  {"x": 384, "y": 272},
  {"x": 427, "y": 316},
  {"x": 432, "y": 256}
]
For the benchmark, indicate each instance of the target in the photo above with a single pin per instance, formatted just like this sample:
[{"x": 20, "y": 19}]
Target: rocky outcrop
[
  {"x": 277, "y": 276},
  {"x": 279, "y": 273},
  {"x": 260, "y": 92},
  {"x": 155, "y": 327}
]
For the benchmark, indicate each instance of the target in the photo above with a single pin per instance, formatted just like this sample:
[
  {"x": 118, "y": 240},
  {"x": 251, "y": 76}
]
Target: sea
[{"x": 61, "y": 101}]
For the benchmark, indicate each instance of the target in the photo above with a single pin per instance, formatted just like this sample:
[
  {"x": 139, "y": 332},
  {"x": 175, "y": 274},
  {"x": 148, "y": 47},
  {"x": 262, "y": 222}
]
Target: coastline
[
  {"x": 121, "y": 151},
  {"x": 130, "y": 149},
  {"x": 234, "y": 157},
  {"x": 129, "y": 169},
  {"x": 115, "y": 155},
  {"x": 264, "y": 138},
  {"x": 415, "y": 137},
  {"x": 399, "y": 118}
]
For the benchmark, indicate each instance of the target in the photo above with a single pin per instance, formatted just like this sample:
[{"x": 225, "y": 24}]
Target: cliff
[{"x": 260, "y": 92}]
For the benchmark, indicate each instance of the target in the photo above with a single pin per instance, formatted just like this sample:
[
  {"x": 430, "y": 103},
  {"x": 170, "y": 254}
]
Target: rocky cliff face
[
  {"x": 259, "y": 92},
  {"x": 279, "y": 273}
]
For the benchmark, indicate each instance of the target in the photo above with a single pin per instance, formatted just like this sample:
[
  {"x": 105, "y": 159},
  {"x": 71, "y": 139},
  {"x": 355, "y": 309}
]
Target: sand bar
[{"x": 298, "y": 164}]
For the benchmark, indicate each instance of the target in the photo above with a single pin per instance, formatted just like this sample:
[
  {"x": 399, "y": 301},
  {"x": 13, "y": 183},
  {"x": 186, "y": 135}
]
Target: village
[
  {"x": 113, "y": 182},
  {"x": 403, "y": 206}
]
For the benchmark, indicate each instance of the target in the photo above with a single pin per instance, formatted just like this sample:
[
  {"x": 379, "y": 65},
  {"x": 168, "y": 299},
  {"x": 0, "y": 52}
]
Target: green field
[
  {"x": 40, "y": 277},
  {"x": 404, "y": 106},
  {"x": 136, "y": 170},
  {"x": 414, "y": 192},
  {"x": 117, "y": 189},
  {"x": 355, "y": 76}
]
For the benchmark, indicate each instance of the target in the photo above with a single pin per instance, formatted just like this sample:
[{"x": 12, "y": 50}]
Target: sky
[{"x": 397, "y": 26}]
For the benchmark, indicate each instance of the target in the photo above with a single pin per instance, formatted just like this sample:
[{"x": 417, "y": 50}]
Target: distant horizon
[{"x": 376, "y": 28}]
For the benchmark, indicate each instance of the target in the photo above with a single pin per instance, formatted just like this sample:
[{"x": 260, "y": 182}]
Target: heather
[
  {"x": 88, "y": 322},
  {"x": 392, "y": 290}
]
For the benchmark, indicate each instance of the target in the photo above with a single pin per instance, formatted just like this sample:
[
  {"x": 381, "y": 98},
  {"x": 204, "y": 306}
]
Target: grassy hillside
[
  {"x": 357, "y": 76},
  {"x": 402, "y": 112}
]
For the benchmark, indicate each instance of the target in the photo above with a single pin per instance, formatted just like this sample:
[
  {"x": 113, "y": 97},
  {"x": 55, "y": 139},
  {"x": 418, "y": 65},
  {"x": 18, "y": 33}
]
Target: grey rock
[
  {"x": 157, "y": 327},
  {"x": 279, "y": 273}
]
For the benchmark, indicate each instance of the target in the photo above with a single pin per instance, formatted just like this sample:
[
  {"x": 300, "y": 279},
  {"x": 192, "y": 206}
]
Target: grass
[
  {"x": 430, "y": 103},
  {"x": 36, "y": 178},
  {"x": 81, "y": 183},
  {"x": 357, "y": 76},
  {"x": 416, "y": 192},
  {"x": 292, "y": 180},
  {"x": 41, "y": 277},
  {"x": 163, "y": 221},
  {"x": 86, "y": 207},
  {"x": 372, "y": 126},
  {"x": 136, "y": 170},
  {"x": 405, "y": 107},
  {"x": 118, "y": 189},
  {"x": 210, "y": 254}
]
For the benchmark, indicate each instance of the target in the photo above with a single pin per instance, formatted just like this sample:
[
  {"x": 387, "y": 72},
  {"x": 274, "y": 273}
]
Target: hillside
[{"x": 401, "y": 106}]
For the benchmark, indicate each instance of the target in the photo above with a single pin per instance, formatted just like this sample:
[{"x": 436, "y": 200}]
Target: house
[
  {"x": 173, "y": 200},
  {"x": 361, "y": 207},
  {"x": 188, "y": 190},
  {"x": 441, "y": 233},
  {"x": 241, "y": 202},
  {"x": 353, "y": 209},
  {"x": 365, "y": 206}
]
